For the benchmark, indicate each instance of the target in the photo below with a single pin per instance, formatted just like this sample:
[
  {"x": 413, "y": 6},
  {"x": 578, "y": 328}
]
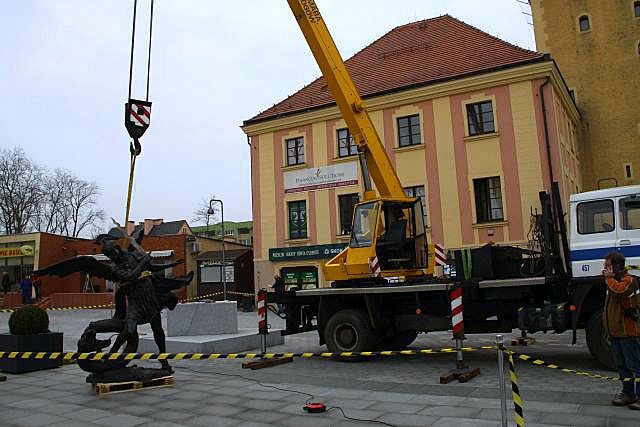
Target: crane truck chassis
[{"x": 535, "y": 289}]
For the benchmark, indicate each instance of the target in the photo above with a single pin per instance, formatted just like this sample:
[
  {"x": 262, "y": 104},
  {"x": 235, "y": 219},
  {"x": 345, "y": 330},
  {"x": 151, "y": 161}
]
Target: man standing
[
  {"x": 5, "y": 282},
  {"x": 26, "y": 288},
  {"x": 622, "y": 323}
]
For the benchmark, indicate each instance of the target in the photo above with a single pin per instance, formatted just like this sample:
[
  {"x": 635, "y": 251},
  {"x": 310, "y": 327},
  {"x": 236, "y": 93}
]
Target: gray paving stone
[
  {"x": 171, "y": 415},
  {"x": 609, "y": 411},
  {"x": 180, "y": 404},
  {"x": 121, "y": 420},
  {"x": 451, "y": 411},
  {"x": 252, "y": 424},
  {"x": 390, "y": 397},
  {"x": 70, "y": 423},
  {"x": 349, "y": 403},
  {"x": 408, "y": 419},
  {"x": 30, "y": 403},
  {"x": 430, "y": 399},
  {"x": 267, "y": 416},
  {"x": 361, "y": 414},
  {"x": 37, "y": 419},
  {"x": 210, "y": 420},
  {"x": 574, "y": 420},
  {"x": 9, "y": 414},
  {"x": 161, "y": 424},
  {"x": 138, "y": 409},
  {"x": 266, "y": 405},
  {"x": 402, "y": 408},
  {"x": 311, "y": 420},
  {"x": 88, "y": 414},
  {"x": 218, "y": 410},
  {"x": 496, "y": 414},
  {"x": 479, "y": 402},
  {"x": 62, "y": 408},
  {"x": 464, "y": 422}
]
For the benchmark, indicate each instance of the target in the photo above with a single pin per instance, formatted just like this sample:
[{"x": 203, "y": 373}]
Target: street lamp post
[{"x": 224, "y": 261}]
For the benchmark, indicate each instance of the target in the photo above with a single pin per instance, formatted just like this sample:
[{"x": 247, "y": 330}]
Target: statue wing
[{"x": 79, "y": 264}]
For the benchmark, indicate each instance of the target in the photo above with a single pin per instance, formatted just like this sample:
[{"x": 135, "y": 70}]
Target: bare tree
[
  {"x": 50, "y": 216},
  {"x": 20, "y": 190},
  {"x": 201, "y": 214},
  {"x": 81, "y": 213}
]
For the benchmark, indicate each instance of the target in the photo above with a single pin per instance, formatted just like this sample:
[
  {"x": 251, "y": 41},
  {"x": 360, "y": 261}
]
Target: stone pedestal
[{"x": 203, "y": 318}]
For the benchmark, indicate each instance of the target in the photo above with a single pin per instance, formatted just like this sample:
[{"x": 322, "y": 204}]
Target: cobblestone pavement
[{"x": 398, "y": 390}]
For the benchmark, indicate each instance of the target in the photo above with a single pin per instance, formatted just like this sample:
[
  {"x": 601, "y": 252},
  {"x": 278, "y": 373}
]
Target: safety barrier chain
[
  {"x": 540, "y": 362},
  {"x": 209, "y": 356}
]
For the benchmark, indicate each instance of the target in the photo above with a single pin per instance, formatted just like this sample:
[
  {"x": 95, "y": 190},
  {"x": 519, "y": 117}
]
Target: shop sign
[
  {"x": 305, "y": 252},
  {"x": 16, "y": 251},
  {"x": 323, "y": 177}
]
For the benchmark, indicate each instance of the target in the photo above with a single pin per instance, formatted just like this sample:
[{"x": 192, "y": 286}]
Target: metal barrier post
[
  {"x": 462, "y": 372},
  {"x": 263, "y": 328},
  {"x": 501, "y": 379}
]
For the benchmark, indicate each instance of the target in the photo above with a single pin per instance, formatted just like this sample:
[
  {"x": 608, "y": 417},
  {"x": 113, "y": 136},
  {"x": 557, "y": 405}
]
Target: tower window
[
  {"x": 628, "y": 171},
  {"x": 636, "y": 9},
  {"x": 583, "y": 23}
]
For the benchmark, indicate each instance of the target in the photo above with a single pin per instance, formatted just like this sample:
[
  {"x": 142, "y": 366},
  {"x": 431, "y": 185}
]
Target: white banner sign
[{"x": 323, "y": 177}]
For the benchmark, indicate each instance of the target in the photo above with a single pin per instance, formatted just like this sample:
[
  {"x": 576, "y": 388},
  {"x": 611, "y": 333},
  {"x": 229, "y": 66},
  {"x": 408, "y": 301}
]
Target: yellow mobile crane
[{"x": 388, "y": 237}]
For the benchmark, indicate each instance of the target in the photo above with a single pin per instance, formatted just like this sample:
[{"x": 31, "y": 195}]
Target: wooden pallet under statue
[{"x": 111, "y": 388}]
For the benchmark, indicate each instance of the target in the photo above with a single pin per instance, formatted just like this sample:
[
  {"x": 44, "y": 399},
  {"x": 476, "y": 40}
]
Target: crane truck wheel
[
  {"x": 349, "y": 331},
  {"x": 399, "y": 341},
  {"x": 598, "y": 342}
]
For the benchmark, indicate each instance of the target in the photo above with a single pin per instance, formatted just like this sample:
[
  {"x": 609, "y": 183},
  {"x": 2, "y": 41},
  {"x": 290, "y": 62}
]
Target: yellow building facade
[
  {"x": 477, "y": 149},
  {"x": 596, "y": 44}
]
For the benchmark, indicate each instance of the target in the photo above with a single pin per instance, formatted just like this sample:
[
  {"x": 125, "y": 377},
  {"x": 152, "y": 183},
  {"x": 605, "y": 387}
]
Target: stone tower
[{"x": 596, "y": 44}]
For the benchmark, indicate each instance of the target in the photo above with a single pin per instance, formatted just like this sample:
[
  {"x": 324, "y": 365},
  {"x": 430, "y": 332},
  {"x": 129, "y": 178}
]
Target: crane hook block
[{"x": 137, "y": 116}]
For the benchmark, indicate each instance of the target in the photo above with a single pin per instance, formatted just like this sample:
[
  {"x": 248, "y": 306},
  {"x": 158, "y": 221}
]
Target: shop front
[
  {"x": 301, "y": 266},
  {"x": 17, "y": 257}
]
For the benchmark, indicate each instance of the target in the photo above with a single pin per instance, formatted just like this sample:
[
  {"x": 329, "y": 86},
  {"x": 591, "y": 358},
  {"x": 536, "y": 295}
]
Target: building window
[
  {"x": 480, "y": 118},
  {"x": 408, "y": 130},
  {"x": 596, "y": 217},
  {"x": 418, "y": 191},
  {"x": 347, "y": 203},
  {"x": 295, "y": 151},
  {"x": 636, "y": 9},
  {"x": 488, "y": 199},
  {"x": 298, "y": 219},
  {"x": 346, "y": 144},
  {"x": 628, "y": 171},
  {"x": 583, "y": 23}
]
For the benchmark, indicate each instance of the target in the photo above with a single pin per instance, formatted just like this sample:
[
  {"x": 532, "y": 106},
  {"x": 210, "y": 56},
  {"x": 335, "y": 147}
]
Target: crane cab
[{"x": 388, "y": 239}]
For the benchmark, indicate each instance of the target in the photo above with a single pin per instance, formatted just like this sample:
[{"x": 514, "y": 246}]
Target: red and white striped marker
[
  {"x": 140, "y": 115},
  {"x": 441, "y": 258},
  {"x": 375, "y": 266},
  {"x": 262, "y": 313},
  {"x": 457, "y": 320}
]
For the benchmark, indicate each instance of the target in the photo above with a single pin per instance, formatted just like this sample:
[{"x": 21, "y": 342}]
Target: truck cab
[{"x": 604, "y": 221}]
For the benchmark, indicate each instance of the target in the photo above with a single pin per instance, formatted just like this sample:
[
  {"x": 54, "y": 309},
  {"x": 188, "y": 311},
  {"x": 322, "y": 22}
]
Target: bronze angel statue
[{"x": 138, "y": 300}]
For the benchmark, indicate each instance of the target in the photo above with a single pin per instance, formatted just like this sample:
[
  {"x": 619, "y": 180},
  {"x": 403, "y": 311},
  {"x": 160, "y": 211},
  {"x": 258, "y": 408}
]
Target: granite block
[
  {"x": 244, "y": 340},
  {"x": 203, "y": 318}
]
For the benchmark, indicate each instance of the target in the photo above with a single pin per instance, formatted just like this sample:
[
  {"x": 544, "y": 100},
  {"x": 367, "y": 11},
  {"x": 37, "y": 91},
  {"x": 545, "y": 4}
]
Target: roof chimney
[
  {"x": 148, "y": 225},
  {"x": 131, "y": 225}
]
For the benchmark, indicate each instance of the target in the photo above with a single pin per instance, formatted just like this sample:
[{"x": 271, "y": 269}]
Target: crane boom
[{"x": 347, "y": 97}]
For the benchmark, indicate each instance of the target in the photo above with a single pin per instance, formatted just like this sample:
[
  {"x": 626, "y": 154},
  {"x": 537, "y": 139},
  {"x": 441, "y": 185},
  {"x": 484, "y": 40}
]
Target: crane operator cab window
[{"x": 401, "y": 242}]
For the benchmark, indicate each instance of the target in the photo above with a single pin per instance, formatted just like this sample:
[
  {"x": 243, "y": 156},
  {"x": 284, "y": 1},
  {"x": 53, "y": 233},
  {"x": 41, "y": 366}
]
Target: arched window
[
  {"x": 583, "y": 23},
  {"x": 636, "y": 9}
]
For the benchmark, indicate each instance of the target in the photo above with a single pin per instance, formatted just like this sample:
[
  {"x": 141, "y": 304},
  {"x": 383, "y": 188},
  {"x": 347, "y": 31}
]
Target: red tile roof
[{"x": 415, "y": 54}]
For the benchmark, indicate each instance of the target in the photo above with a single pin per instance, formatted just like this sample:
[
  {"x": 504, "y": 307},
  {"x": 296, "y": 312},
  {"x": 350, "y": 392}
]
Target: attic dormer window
[{"x": 584, "y": 24}]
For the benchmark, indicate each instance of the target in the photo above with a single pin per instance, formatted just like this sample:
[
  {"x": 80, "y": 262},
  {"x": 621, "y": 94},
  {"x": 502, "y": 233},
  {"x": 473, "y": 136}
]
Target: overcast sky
[{"x": 64, "y": 76}]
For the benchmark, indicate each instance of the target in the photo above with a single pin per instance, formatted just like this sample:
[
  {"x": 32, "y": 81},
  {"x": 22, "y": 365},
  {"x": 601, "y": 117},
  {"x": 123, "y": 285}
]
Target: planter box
[{"x": 50, "y": 342}]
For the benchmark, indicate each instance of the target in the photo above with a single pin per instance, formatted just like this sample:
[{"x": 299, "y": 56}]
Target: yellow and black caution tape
[
  {"x": 515, "y": 393},
  {"x": 83, "y": 307},
  {"x": 210, "y": 356},
  {"x": 540, "y": 362}
]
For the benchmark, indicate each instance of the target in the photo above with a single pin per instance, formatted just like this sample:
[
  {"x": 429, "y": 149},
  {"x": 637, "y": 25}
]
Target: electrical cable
[{"x": 311, "y": 396}]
